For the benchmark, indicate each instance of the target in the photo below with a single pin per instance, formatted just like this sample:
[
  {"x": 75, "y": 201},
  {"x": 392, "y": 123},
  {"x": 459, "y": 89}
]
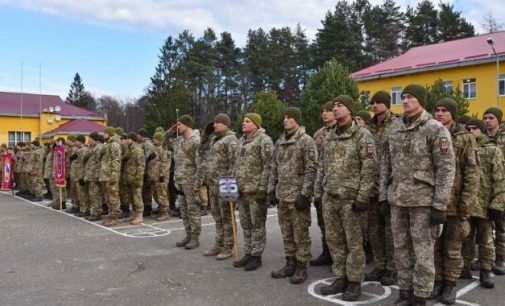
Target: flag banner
[
  {"x": 59, "y": 166},
  {"x": 7, "y": 171}
]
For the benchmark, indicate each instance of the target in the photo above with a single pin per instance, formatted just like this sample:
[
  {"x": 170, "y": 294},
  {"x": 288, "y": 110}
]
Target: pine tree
[
  {"x": 422, "y": 25},
  {"x": 78, "y": 95},
  {"x": 271, "y": 110},
  {"x": 451, "y": 25}
]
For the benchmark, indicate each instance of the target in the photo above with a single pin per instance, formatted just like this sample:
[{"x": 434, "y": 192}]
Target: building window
[
  {"x": 448, "y": 87},
  {"x": 470, "y": 88},
  {"x": 17, "y": 137},
  {"x": 501, "y": 83},
  {"x": 396, "y": 95},
  {"x": 365, "y": 97}
]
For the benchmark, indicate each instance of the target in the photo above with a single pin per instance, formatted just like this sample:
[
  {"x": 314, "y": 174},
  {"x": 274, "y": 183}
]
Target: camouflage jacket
[
  {"x": 187, "y": 159},
  {"x": 319, "y": 137},
  {"x": 499, "y": 139},
  {"x": 148, "y": 147},
  {"x": 37, "y": 162},
  {"x": 69, "y": 150},
  {"x": 294, "y": 166},
  {"x": 48, "y": 166},
  {"x": 466, "y": 179},
  {"x": 253, "y": 161},
  {"x": 348, "y": 165},
  {"x": 134, "y": 166},
  {"x": 92, "y": 166},
  {"x": 160, "y": 165},
  {"x": 27, "y": 160},
  {"x": 78, "y": 165},
  {"x": 220, "y": 157},
  {"x": 419, "y": 162},
  {"x": 110, "y": 164},
  {"x": 491, "y": 188}
]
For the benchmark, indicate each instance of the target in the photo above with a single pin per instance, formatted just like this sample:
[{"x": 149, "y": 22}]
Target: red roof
[
  {"x": 10, "y": 104},
  {"x": 466, "y": 51},
  {"x": 78, "y": 126}
]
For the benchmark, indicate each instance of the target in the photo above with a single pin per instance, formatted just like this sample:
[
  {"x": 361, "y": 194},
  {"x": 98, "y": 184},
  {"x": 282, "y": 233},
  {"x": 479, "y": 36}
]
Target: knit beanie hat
[
  {"x": 382, "y": 97},
  {"x": 347, "y": 101},
  {"x": 255, "y": 118},
  {"x": 81, "y": 138},
  {"x": 496, "y": 112},
  {"x": 417, "y": 91},
  {"x": 158, "y": 136},
  {"x": 295, "y": 113},
  {"x": 223, "y": 118},
  {"x": 464, "y": 119},
  {"x": 159, "y": 130},
  {"x": 142, "y": 132},
  {"x": 476, "y": 122},
  {"x": 132, "y": 136},
  {"x": 119, "y": 131},
  {"x": 364, "y": 115},
  {"x": 450, "y": 105},
  {"x": 95, "y": 136},
  {"x": 186, "y": 120},
  {"x": 110, "y": 131},
  {"x": 328, "y": 106}
]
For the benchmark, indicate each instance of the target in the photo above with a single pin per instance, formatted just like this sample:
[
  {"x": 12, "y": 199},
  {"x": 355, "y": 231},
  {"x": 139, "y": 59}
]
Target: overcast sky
[{"x": 114, "y": 44}]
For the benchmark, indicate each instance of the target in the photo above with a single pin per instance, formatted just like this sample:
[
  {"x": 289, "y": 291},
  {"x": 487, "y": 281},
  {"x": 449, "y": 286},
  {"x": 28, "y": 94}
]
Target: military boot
[
  {"x": 193, "y": 243},
  {"x": 499, "y": 265},
  {"x": 109, "y": 222},
  {"x": 353, "y": 292},
  {"x": 404, "y": 298},
  {"x": 485, "y": 279},
  {"x": 212, "y": 252},
  {"x": 466, "y": 273},
  {"x": 94, "y": 218},
  {"x": 418, "y": 301},
  {"x": 438, "y": 286},
  {"x": 287, "y": 270},
  {"x": 225, "y": 254},
  {"x": 324, "y": 258},
  {"x": 184, "y": 241},
  {"x": 448, "y": 295},
  {"x": 243, "y": 261},
  {"x": 72, "y": 210},
  {"x": 132, "y": 216},
  {"x": 36, "y": 199},
  {"x": 253, "y": 264},
  {"x": 163, "y": 216},
  {"x": 300, "y": 274},
  {"x": 475, "y": 265},
  {"x": 375, "y": 275},
  {"x": 389, "y": 278},
  {"x": 338, "y": 286},
  {"x": 138, "y": 219}
]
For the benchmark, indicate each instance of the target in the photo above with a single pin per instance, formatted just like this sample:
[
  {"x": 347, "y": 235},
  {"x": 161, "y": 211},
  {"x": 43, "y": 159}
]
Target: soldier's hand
[
  {"x": 494, "y": 215},
  {"x": 438, "y": 216},
  {"x": 302, "y": 202},
  {"x": 318, "y": 202},
  {"x": 162, "y": 178},
  {"x": 385, "y": 208},
  {"x": 359, "y": 206},
  {"x": 261, "y": 197},
  {"x": 81, "y": 182}
]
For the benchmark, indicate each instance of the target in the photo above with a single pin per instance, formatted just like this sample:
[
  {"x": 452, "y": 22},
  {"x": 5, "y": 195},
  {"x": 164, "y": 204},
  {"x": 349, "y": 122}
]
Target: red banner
[
  {"x": 59, "y": 166},
  {"x": 7, "y": 171}
]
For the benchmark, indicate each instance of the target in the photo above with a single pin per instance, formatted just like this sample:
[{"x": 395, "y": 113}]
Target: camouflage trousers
[
  {"x": 147, "y": 194},
  {"x": 481, "y": 233},
  {"x": 448, "y": 259},
  {"x": 95, "y": 198},
  {"x": 499, "y": 240},
  {"x": 72, "y": 191},
  {"x": 36, "y": 184},
  {"x": 221, "y": 213},
  {"x": 56, "y": 194},
  {"x": 160, "y": 196},
  {"x": 190, "y": 210},
  {"x": 380, "y": 237},
  {"x": 134, "y": 195},
  {"x": 253, "y": 217},
  {"x": 320, "y": 220},
  {"x": 22, "y": 182},
  {"x": 111, "y": 192},
  {"x": 83, "y": 195},
  {"x": 295, "y": 230},
  {"x": 204, "y": 197},
  {"x": 123, "y": 194},
  {"x": 414, "y": 241},
  {"x": 344, "y": 236}
]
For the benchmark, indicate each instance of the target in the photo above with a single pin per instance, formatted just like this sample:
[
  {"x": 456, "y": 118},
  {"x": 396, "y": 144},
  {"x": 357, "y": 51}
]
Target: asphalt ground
[{"x": 52, "y": 258}]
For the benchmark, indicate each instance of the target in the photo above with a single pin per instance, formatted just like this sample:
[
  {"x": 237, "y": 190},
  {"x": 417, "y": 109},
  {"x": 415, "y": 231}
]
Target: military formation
[{"x": 422, "y": 190}]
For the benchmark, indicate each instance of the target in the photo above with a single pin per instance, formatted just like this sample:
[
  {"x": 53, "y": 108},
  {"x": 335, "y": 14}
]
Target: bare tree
[{"x": 490, "y": 24}]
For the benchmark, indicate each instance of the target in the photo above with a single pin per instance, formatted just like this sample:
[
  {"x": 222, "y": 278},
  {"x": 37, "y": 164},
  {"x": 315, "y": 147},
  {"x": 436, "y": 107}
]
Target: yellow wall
[{"x": 485, "y": 75}]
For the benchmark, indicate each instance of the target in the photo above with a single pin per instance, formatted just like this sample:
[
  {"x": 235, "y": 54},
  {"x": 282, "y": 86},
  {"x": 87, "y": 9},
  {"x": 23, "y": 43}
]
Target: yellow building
[
  {"x": 469, "y": 64},
  {"x": 25, "y": 117}
]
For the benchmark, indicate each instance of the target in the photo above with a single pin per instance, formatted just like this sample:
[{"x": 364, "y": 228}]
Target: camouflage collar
[
  {"x": 457, "y": 129},
  {"x": 253, "y": 135},
  {"x": 347, "y": 133},
  {"x": 292, "y": 139},
  {"x": 421, "y": 120}
]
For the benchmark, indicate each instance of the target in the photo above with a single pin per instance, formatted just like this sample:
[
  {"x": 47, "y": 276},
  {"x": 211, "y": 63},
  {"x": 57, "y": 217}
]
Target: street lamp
[{"x": 491, "y": 43}]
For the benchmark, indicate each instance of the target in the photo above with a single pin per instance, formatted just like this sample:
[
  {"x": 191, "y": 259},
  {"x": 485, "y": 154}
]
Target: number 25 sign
[{"x": 228, "y": 187}]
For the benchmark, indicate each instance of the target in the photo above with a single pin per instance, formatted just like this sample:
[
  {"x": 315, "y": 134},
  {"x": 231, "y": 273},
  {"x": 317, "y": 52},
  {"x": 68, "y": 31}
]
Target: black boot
[
  {"x": 448, "y": 295},
  {"x": 184, "y": 241},
  {"x": 404, "y": 298},
  {"x": 253, "y": 264},
  {"x": 389, "y": 278},
  {"x": 438, "y": 286},
  {"x": 242, "y": 262},
  {"x": 300, "y": 274},
  {"x": 418, "y": 301},
  {"x": 324, "y": 258},
  {"x": 466, "y": 273},
  {"x": 353, "y": 292},
  {"x": 499, "y": 265},
  {"x": 148, "y": 209},
  {"x": 375, "y": 275},
  {"x": 287, "y": 270},
  {"x": 338, "y": 286},
  {"x": 485, "y": 279}
]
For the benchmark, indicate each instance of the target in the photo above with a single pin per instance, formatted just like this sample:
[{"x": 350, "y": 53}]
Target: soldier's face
[
  {"x": 410, "y": 104},
  {"x": 248, "y": 126},
  {"x": 360, "y": 121},
  {"x": 156, "y": 142},
  {"x": 379, "y": 108},
  {"x": 490, "y": 121},
  {"x": 340, "y": 111},
  {"x": 443, "y": 115},
  {"x": 289, "y": 123},
  {"x": 474, "y": 130},
  {"x": 219, "y": 127},
  {"x": 181, "y": 128},
  {"x": 328, "y": 116}
]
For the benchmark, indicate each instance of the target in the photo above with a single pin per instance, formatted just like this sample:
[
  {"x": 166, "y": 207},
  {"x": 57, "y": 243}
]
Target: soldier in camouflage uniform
[
  {"x": 123, "y": 194},
  {"x": 219, "y": 162},
  {"x": 158, "y": 173},
  {"x": 110, "y": 166},
  {"x": 70, "y": 149},
  {"x": 147, "y": 191},
  {"x": 329, "y": 123},
  {"x": 91, "y": 177},
  {"x": 188, "y": 177},
  {"x": 134, "y": 169},
  {"x": 292, "y": 177},
  {"x": 379, "y": 219},
  {"x": 80, "y": 158},
  {"x": 18, "y": 163},
  {"x": 448, "y": 259},
  {"x": 493, "y": 123},
  {"x": 348, "y": 149},
  {"x": 488, "y": 207},
  {"x": 48, "y": 168},
  {"x": 36, "y": 173},
  {"x": 252, "y": 169},
  {"x": 417, "y": 172}
]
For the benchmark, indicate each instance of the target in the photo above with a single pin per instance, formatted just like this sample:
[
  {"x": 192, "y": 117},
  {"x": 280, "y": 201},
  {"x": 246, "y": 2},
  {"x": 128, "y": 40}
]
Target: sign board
[{"x": 228, "y": 188}]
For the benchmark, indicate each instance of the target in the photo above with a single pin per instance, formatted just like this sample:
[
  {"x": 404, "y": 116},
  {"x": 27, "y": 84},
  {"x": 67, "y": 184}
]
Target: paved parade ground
[{"x": 53, "y": 258}]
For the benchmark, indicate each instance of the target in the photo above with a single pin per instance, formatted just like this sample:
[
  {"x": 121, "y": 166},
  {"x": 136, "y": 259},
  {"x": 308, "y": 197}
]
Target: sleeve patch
[{"x": 444, "y": 145}]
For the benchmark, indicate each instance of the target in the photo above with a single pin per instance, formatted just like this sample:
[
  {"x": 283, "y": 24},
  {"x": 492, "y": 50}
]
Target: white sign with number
[{"x": 228, "y": 187}]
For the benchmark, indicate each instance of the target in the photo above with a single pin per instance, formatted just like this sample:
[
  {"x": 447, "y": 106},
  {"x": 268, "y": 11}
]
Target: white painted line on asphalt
[
  {"x": 336, "y": 297},
  {"x": 464, "y": 291}
]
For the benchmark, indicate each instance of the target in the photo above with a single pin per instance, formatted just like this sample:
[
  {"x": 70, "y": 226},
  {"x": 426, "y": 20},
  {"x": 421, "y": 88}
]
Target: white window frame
[
  {"x": 396, "y": 95},
  {"x": 449, "y": 87},
  {"x": 467, "y": 88},
  {"x": 15, "y": 137}
]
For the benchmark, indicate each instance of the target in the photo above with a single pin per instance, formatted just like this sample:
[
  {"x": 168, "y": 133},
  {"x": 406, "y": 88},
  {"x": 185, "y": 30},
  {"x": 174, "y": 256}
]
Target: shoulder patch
[
  {"x": 371, "y": 151},
  {"x": 444, "y": 146}
]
